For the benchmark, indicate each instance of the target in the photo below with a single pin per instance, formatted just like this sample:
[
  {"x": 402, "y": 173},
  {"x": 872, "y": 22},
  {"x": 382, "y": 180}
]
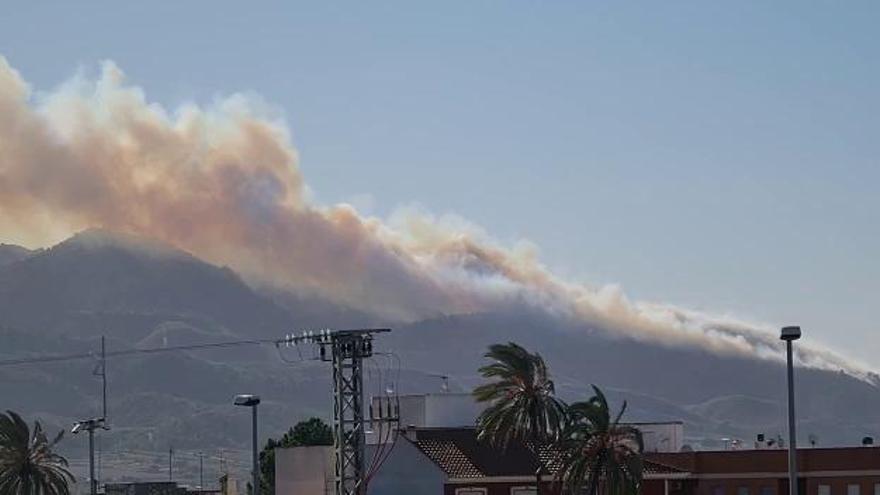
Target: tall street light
[
  {"x": 789, "y": 335},
  {"x": 90, "y": 425},
  {"x": 252, "y": 401}
]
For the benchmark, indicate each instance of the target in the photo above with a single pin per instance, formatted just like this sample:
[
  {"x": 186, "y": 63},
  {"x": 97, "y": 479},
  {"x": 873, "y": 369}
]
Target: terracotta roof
[{"x": 458, "y": 453}]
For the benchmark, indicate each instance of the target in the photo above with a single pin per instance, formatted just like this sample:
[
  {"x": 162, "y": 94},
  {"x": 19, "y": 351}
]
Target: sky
[{"x": 717, "y": 157}]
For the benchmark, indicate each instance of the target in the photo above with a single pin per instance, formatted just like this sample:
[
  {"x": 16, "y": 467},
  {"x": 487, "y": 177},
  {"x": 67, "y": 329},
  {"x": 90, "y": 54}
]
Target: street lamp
[
  {"x": 789, "y": 335},
  {"x": 252, "y": 401},
  {"x": 90, "y": 425}
]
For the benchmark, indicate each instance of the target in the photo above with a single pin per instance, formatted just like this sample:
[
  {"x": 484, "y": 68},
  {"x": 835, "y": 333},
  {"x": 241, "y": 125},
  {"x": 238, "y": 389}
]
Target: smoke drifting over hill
[{"x": 222, "y": 182}]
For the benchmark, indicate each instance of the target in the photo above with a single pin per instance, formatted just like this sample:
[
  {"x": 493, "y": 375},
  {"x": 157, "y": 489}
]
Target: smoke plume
[{"x": 222, "y": 182}]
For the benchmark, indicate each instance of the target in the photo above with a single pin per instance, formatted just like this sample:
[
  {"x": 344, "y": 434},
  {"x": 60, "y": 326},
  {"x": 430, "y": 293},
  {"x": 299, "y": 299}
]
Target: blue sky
[{"x": 718, "y": 156}]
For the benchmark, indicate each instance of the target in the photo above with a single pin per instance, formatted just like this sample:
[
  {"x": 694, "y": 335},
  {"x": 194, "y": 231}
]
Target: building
[
  {"x": 433, "y": 449},
  {"x": 153, "y": 488},
  {"x": 450, "y": 461},
  {"x": 663, "y": 436},
  {"x": 476, "y": 468},
  {"x": 460, "y": 410},
  {"x": 821, "y": 471},
  {"x": 434, "y": 461}
]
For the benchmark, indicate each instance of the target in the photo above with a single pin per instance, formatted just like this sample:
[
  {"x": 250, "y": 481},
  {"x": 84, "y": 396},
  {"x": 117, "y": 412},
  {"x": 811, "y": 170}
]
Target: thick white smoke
[{"x": 222, "y": 182}]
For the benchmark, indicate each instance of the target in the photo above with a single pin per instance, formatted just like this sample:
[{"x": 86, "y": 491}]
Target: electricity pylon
[{"x": 346, "y": 349}]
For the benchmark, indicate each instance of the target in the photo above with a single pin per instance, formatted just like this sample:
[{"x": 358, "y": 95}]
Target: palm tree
[
  {"x": 522, "y": 405},
  {"x": 28, "y": 465},
  {"x": 595, "y": 448}
]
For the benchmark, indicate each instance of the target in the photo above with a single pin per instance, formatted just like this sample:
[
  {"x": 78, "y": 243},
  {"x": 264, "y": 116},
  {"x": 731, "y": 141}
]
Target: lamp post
[
  {"x": 201, "y": 473},
  {"x": 252, "y": 401},
  {"x": 90, "y": 425},
  {"x": 789, "y": 335}
]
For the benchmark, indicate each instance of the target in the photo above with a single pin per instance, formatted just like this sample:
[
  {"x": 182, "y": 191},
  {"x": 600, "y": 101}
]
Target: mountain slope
[
  {"x": 836, "y": 403},
  {"x": 10, "y": 253},
  {"x": 142, "y": 294},
  {"x": 96, "y": 278}
]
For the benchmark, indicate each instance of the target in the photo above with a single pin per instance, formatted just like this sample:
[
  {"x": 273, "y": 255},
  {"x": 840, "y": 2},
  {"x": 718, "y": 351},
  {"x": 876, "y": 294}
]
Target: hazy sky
[{"x": 722, "y": 157}]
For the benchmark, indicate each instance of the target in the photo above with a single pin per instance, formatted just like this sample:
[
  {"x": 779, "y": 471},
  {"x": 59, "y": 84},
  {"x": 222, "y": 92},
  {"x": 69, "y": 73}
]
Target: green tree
[
  {"x": 598, "y": 453},
  {"x": 522, "y": 405},
  {"x": 312, "y": 431},
  {"x": 28, "y": 464}
]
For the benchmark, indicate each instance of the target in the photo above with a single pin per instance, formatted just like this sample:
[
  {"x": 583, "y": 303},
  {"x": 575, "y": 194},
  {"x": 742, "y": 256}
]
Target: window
[
  {"x": 717, "y": 490},
  {"x": 742, "y": 490},
  {"x": 523, "y": 490},
  {"x": 853, "y": 489},
  {"x": 470, "y": 491},
  {"x": 824, "y": 490},
  {"x": 768, "y": 490},
  {"x": 877, "y": 489}
]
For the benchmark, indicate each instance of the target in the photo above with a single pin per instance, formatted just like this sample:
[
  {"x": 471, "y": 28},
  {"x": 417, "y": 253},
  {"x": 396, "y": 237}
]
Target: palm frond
[{"x": 28, "y": 463}]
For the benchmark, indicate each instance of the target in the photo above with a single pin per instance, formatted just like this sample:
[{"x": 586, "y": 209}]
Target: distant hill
[
  {"x": 142, "y": 294},
  {"x": 10, "y": 253},
  {"x": 716, "y": 396}
]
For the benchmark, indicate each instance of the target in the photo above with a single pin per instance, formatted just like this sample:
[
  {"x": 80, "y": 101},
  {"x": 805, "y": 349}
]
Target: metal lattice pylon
[{"x": 349, "y": 348}]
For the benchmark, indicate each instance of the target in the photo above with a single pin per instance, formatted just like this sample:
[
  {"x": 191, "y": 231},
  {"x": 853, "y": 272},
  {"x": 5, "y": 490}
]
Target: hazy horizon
[{"x": 712, "y": 157}]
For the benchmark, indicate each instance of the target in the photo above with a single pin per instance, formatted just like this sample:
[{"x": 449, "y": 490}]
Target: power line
[
  {"x": 130, "y": 352},
  {"x": 307, "y": 336}
]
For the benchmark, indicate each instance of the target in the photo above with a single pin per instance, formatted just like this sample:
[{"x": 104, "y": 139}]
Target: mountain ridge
[{"x": 62, "y": 299}]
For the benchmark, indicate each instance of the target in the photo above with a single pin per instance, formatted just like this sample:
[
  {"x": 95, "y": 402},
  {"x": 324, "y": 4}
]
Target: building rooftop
[{"x": 460, "y": 455}]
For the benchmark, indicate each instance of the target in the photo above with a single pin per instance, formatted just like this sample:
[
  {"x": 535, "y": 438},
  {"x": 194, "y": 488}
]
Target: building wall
[
  {"x": 765, "y": 472},
  {"x": 649, "y": 487},
  {"x": 500, "y": 488},
  {"x": 868, "y": 485},
  {"x": 662, "y": 437},
  {"x": 304, "y": 471},
  {"x": 451, "y": 410},
  {"x": 311, "y": 471},
  {"x": 144, "y": 488},
  {"x": 406, "y": 472}
]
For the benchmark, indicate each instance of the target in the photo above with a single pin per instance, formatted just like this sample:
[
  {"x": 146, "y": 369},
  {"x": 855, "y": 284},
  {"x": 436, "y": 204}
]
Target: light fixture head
[
  {"x": 247, "y": 400},
  {"x": 790, "y": 333}
]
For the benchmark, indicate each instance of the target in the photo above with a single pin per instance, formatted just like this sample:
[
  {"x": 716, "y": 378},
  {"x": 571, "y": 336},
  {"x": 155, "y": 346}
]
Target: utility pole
[
  {"x": 103, "y": 379},
  {"x": 90, "y": 425},
  {"x": 201, "y": 473},
  {"x": 255, "y": 461},
  {"x": 170, "y": 462},
  {"x": 93, "y": 483},
  {"x": 347, "y": 350}
]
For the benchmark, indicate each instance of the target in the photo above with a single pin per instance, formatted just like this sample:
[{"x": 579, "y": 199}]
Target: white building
[{"x": 413, "y": 460}]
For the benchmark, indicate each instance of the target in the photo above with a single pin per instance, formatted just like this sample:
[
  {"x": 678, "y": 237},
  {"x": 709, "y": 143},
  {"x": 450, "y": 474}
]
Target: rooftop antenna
[{"x": 444, "y": 386}]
